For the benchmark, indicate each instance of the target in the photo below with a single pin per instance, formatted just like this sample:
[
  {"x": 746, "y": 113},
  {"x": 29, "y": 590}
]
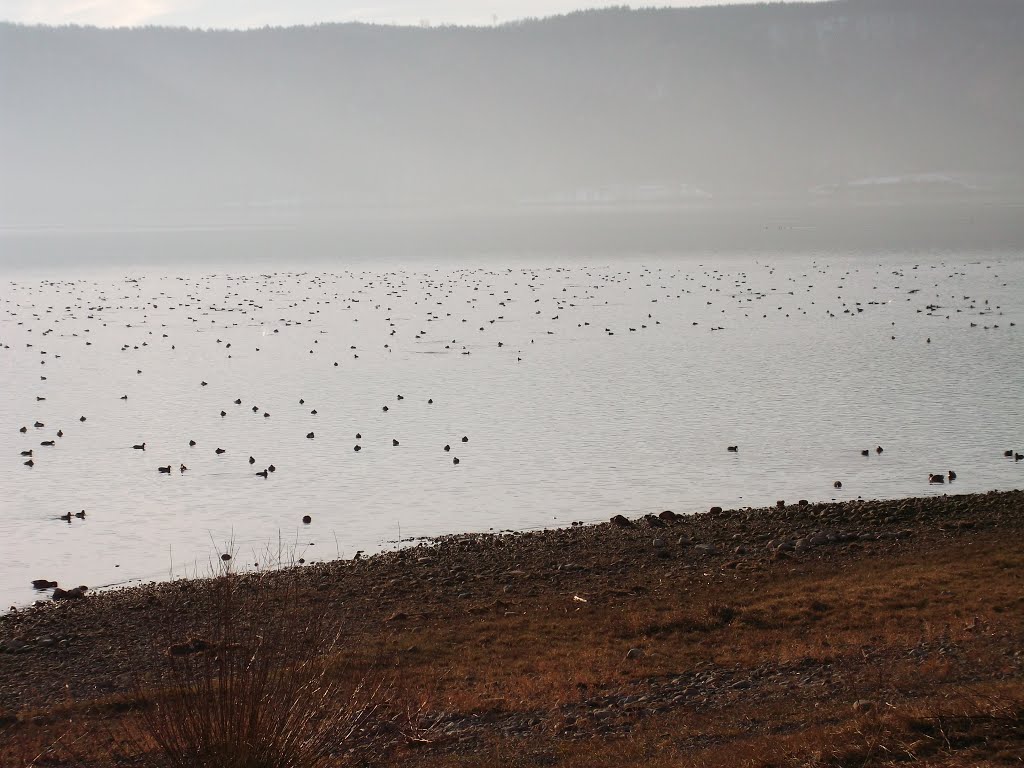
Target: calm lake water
[{"x": 587, "y": 387}]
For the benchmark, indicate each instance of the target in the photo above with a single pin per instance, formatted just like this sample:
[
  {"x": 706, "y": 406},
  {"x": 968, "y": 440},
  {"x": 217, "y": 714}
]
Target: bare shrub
[
  {"x": 721, "y": 614},
  {"x": 254, "y": 688}
]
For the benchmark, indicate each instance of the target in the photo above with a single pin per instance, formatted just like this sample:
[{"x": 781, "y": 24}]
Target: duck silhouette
[
  {"x": 165, "y": 470},
  {"x": 66, "y": 517},
  {"x": 48, "y": 442},
  {"x": 27, "y": 453},
  {"x": 952, "y": 475},
  {"x": 865, "y": 452},
  {"x": 80, "y": 515},
  {"x": 733, "y": 449},
  {"x": 933, "y": 478},
  {"x": 837, "y": 484},
  {"x": 219, "y": 451},
  {"x": 878, "y": 449},
  {"x": 182, "y": 469},
  {"x": 272, "y": 468},
  {"x": 191, "y": 443},
  {"x": 30, "y": 463},
  {"x": 262, "y": 474},
  {"x": 139, "y": 447},
  {"x": 252, "y": 460},
  {"x": 455, "y": 460}
]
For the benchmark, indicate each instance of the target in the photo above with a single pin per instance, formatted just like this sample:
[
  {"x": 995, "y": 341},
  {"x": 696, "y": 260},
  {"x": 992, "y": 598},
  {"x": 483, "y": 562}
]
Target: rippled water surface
[{"x": 585, "y": 388}]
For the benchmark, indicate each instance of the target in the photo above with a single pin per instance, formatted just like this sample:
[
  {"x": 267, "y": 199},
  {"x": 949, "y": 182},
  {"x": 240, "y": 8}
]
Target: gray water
[{"x": 587, "y": 386}]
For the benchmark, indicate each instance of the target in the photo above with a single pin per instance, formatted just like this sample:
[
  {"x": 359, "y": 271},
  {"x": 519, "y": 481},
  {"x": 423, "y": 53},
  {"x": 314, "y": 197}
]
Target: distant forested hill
[{"x": 759, "y": 101}]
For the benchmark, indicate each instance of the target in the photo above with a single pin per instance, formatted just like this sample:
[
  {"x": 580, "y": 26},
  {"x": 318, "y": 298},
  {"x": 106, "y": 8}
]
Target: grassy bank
[{"x": 854, "y": 634}]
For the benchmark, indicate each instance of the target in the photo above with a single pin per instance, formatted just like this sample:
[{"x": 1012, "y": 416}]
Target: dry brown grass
[
  {"x": 253, "y": 692},
  {"x": 929, "y": 637}
]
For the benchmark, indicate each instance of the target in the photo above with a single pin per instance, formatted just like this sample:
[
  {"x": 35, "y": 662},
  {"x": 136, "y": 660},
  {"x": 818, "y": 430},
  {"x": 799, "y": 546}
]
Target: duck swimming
[
  {"x": 140, "y": 447},
  {"x": 165, "y": 470}
]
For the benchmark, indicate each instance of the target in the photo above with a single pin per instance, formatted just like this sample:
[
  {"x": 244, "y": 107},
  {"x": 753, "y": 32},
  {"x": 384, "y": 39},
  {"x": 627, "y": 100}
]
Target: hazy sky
[{"x": 257, "y": 13}]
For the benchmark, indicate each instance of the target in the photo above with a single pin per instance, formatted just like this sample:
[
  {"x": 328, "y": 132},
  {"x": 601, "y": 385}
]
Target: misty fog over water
[{"x": 859, "y": 101}]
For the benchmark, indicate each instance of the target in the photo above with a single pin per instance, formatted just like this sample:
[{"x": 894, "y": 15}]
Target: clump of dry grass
[
  {"x": 255, "y": 689},
  {"x": 986, "y": 727}
]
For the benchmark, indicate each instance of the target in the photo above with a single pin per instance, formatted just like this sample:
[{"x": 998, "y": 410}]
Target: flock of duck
[{"x": 232, "y": 305}]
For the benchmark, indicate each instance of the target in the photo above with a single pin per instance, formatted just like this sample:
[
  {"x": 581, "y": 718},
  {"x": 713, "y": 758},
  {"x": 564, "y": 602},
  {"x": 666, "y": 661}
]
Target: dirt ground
[{"x": 852, "y": 634}]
